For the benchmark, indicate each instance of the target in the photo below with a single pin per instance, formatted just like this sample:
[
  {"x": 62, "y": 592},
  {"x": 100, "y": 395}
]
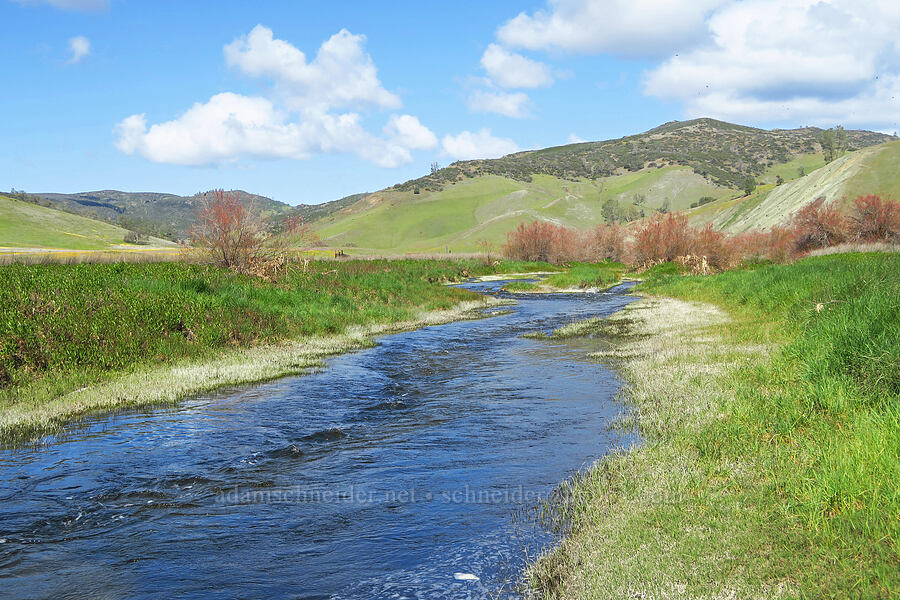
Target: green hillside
[
  {"x": 671, "y": 167},
  {"x": 27, "y": 225},
  {"x": 724, "y": 153},
  {"x": 489, "y": 206},
  {"x": 163, "y": 215},
  {"x": 872, "y": 170}
]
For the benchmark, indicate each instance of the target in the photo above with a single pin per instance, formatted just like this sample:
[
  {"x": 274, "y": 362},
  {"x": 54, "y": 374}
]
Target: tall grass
[
  {"x": 771, "y": 434},
  {"x": 823, "y": 417},
  {"x": 67, "y": 326}
]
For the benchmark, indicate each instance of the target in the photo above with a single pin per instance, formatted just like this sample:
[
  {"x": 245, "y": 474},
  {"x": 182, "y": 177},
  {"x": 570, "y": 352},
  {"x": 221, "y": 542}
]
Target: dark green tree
[
  {"x": 749, "y": 185},
  {"x": 610, "y": 210}
]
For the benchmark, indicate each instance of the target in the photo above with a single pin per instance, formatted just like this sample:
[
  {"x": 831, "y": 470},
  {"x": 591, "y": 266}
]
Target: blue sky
[{"x": 187, "y": 96}]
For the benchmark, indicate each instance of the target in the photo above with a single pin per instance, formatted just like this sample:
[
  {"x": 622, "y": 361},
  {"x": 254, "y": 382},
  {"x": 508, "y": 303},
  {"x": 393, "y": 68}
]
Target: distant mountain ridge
[
  {"x": 722, "y": 152},
  {"x": 166, "y": 215},
  {"x": 170, "y": 215}
]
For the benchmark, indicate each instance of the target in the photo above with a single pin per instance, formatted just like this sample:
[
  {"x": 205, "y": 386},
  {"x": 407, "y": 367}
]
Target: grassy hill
[
  {"x": 27, "y": 225},
  {"x": 872, "y": 170},
  {"x": 169, "y": 215},
  {"x": 164, "y": 215},
  {"x": 488, "y": 206},
  {"x": 671, "y": 167}
]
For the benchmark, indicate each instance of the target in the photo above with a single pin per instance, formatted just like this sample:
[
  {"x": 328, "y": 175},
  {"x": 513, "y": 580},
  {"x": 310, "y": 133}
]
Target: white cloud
[
  {"x": 511, "y": 70},
  {"x": 480, "y": 144},
  {"x": 574, "y": 139},
  {"x": 300, "y": 118},
  {"x": 407, "y": 131},
  {"x": 232, "y": 126},
  {"x": 341, "y": 74},
  {"x": 621, "y": 27},
  {"x": 80, "y": 47},
  {"x": 227, "y": 126},
  {"x": 807, "y": 61},
  {"x": 74, "y": 5},
  {"x": 513, "y": 105}
]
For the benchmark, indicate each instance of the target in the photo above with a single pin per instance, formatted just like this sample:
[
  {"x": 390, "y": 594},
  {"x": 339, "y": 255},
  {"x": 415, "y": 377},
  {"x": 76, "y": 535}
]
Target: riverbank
[
  {"x": 81, "y": 339},
  {"x": 767, "y": 399},
  {"x": 172, "y": 383}
]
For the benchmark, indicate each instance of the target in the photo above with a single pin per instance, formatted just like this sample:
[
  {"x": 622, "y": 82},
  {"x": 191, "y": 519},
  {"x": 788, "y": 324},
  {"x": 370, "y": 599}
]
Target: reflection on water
[{"x": 396, "y": 471}]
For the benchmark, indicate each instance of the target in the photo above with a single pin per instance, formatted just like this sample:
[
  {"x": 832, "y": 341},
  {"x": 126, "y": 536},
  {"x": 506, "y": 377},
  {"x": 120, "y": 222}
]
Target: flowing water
[{"x": 390, "y": 473}]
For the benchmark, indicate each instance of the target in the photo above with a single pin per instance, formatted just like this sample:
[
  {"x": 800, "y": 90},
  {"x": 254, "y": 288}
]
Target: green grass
[
  {"x": 791, "y": 170},
  {"x": 64, "y": 327},
  {"x": 830, "y": 408},
  {"x": 881, "y": 175},
  {"x": 772, "y": 439},
  {"x": 488, "y": 207},
  {"x": 573, "y": 276},
  {"x": 587, "y": 275},
  {"x": 521, "y": 286},
  {"x": 26, "y": 225}
]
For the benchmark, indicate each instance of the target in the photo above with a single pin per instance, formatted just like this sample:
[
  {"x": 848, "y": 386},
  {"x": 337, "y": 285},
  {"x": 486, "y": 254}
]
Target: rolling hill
[
  {"x": 164, "y": 215},
  {"x": 24, "y": 225},
  {"x": 168, "y": 215},
  {"x": 671, "y": 167},
  {"x": 872, "y": 170}
]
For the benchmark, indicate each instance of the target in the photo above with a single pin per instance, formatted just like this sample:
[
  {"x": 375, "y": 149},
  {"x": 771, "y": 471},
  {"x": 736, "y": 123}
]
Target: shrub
[
  {"x": 136, "y": 237},
  {"x": 663, "y": 238},
  {"x": 875, "y": 219},
  {"x": 228, "y": 228},
  {"x": 607, "y": 242},
  {"x": 775, "y": 245},
  {"x": 720, "y": 251},
  {"x": 237, "y": 238},
  {"x": 544, "y": 242},
  {"x": 818, "y": 225},
  {"x": 668, "y": 238}
]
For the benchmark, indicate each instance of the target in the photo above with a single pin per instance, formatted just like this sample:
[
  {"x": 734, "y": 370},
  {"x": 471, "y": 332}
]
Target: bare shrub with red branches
[
  {"x": 237, "y": 238},
  {"x": 818, "y": 225},
  {"x": 669, "y": 237},
  {"x": 229, "y": 228},
  {"x": 607, "y": 242},
  {"x": 776, "y": 244},
  {"x": 875, "y": 219},
  {"x": 542, "y": 241},
  {"x": 663, "y": 238},
  {"x": 721, "y": 252}
]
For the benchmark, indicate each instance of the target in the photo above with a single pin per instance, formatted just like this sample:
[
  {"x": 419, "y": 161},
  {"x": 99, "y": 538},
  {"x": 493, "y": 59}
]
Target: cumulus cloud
[
  {"x": 227, "y": 126},
  {"x": 810, "y": 61},
  {"x": 80, "y": 47},
  {"x": 621, "y": 27},
  {"x": 407, "y": 131},
  {"x": 513, "y": 105},
  {"x": 511, "y": 70},
  {"x": 341, "y": 75},
  {"x": 479, "y": 144},
  {"x": 230, "y": 126},
  {"x": 574, "y": 139},
  {"x": 73, "y": 5},
  {"x": 300, "y": 119}
]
